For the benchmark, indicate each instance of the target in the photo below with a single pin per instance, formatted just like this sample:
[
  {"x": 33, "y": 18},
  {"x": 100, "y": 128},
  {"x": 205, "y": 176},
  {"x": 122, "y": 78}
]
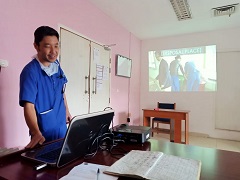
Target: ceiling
[{"x": 148, "y": 19}]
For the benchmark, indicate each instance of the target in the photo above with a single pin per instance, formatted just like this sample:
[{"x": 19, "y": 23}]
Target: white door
[
  {"x": 228, "y": 87},
  {"x": 74, "y": 59},
  {"x": 99, "y": 78}
]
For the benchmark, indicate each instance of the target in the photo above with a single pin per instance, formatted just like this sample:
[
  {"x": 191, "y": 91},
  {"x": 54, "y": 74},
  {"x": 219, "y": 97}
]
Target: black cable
[
  {"x": 106, "y": 142},
  {"x": 120, "y": 152},
  {"x": 96, "y": 143},
  {"x": 91, "y": 153},
  {"x": 106, "y": 108}
]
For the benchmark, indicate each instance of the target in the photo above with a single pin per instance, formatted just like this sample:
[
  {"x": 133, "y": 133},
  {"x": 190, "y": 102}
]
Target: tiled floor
[{"x": 207, "y": 142}]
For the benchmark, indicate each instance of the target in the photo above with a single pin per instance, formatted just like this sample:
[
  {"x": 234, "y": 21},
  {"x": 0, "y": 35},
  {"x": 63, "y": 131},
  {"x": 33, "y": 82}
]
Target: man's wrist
[{"x": 34, "y": 133}]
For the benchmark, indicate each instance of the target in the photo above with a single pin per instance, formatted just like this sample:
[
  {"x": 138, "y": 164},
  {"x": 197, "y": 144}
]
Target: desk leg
[
  {"x": 146, "y": 121},
  {"x": 177, "y": 130},
  {"x": 186, "y": 129},
  {"x": 171, "y": 130}
]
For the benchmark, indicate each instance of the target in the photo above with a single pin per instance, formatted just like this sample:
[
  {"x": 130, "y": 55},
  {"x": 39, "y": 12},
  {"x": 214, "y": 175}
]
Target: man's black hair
[{"x": 43, "y": 31}]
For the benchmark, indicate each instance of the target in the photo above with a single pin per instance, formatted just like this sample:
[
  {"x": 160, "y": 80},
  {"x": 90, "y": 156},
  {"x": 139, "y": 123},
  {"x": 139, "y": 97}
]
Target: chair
[{"x": 159, "y": 121}]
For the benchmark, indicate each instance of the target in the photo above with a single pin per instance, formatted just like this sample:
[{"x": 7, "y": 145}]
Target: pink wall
[{"x": 18, "y": 20}]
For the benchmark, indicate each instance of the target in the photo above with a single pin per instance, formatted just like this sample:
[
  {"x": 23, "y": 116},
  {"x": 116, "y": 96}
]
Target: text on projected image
[{"x": 184, "y": 69}]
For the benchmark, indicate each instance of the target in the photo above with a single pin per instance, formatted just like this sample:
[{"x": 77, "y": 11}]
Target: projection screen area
[{"x": 184, "y": 69}]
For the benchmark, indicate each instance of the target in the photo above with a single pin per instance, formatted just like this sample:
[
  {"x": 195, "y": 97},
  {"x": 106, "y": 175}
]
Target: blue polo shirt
[{"x": 47, "y": 95}]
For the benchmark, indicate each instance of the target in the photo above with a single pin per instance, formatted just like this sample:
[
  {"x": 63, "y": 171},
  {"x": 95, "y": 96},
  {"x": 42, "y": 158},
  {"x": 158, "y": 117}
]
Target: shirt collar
[{"x": 49, "y": 70}]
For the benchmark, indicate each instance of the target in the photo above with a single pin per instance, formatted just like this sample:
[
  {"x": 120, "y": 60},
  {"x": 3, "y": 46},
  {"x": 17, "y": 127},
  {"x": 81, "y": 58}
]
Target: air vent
[
  {"x": 224, "y": 10},
  {"x": 182, "y": 9}
]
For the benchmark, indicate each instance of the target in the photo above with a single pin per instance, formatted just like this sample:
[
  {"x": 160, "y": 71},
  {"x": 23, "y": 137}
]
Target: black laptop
[{"x": 83, "y": 131}]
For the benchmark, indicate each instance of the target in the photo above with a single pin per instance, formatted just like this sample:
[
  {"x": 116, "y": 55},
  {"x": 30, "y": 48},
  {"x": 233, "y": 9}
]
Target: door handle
[
  {"x": 86, "y": 85},
  {"x": 94, "y": 85}
]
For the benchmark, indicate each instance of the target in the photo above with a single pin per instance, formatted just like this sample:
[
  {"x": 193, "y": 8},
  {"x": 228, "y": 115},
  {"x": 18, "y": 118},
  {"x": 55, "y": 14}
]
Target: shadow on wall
[
  {"x": 2, "y": 132},
  {"x": 122, "y": 118},
  {"x": 135, "y": 122}
]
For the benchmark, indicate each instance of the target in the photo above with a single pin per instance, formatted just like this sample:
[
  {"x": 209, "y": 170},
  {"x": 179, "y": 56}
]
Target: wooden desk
[
  {"x": 176, "y": 115},
  {"x": 216, "y": 164}
]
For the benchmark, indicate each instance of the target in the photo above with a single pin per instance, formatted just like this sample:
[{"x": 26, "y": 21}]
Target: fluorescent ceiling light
[
  {"x": 224, "y": 10},
  {"x": 182, "y": 9}
]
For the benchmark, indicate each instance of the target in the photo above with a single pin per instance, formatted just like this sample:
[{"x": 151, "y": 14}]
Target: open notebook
[
  {"x": 82, "y": 132},
  {"x": 155, "y": 165}
]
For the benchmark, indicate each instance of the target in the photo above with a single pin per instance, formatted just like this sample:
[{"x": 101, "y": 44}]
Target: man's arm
[
  {"x": 31, "y": 120},
  {"x": 182, "y": 70},
  {"x": 68, "y": 115}
]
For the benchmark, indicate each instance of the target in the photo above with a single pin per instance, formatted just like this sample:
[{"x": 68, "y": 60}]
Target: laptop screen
[{"x": 83, "y": 132}]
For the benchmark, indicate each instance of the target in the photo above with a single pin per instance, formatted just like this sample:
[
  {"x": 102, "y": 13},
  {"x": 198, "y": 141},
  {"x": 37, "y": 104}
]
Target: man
[
  {"x": 174, "y": 67},
  {"x": 42, "y": 85},
  {"x": 192, "y": 76},
  {"x": 163, "y": 77}
]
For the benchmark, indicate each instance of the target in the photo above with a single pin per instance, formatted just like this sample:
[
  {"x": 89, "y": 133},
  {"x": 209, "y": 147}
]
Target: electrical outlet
[{"x": 3, "y": 63}]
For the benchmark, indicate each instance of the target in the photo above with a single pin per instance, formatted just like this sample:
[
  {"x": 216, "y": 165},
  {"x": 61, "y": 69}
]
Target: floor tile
[
  {"x": 202, "y": 141},
  {"x": 228, "y": 145},
  {"x": 206, "y": 142}
]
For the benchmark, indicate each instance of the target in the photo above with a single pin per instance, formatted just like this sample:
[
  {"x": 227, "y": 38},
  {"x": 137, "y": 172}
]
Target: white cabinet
[
  {"x": 99, "y": 78},
  {"x": 86, "y": 65}
]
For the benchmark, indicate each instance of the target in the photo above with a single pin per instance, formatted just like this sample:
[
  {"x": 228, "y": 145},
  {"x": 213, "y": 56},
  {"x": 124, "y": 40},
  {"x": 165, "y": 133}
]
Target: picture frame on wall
[{"x": 123, "y": 66}]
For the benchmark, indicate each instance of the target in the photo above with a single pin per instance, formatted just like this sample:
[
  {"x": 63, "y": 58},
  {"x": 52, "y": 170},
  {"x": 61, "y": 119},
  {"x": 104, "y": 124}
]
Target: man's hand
[
  {"x": 68, "y": 117},
  {"x": 31, "y": 120},
  {"x": 37, "y": 139}
]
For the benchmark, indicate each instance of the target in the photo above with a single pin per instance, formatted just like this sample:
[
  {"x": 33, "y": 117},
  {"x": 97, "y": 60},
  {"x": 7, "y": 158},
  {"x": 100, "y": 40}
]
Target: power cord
[
  {"x": 106, "y": 142},
  {"x": 107, "y": 108}
]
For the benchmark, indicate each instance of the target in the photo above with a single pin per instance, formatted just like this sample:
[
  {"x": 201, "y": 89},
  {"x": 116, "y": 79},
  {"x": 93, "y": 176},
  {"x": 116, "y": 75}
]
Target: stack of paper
[{"x": 88, "y": 171}]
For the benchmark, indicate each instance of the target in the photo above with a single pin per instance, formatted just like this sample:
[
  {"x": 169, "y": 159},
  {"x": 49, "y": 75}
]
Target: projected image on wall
[{"x": 184, "y": 69}]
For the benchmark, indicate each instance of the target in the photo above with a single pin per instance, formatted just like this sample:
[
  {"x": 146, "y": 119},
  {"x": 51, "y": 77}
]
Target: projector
[{"x": 131, "y": 134}]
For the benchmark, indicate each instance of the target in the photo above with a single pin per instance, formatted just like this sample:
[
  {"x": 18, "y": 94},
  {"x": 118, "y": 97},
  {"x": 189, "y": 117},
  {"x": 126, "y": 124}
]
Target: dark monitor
[{"x": 84, "y": 133}]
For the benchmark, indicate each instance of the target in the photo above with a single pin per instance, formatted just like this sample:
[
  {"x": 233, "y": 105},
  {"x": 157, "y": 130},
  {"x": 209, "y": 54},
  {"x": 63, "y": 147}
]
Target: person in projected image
[
  {"x": 175, "y": 65},
  {"x": 192, "y": 76},
  {"x": 164, "y": 78}
]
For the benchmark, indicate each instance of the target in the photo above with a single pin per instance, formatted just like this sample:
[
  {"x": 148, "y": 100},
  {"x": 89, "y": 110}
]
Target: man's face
[
  {"x": 47, "y": 50},
  {"x": 158, "y": 56},
  {"x": 178, "y": 58}
]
